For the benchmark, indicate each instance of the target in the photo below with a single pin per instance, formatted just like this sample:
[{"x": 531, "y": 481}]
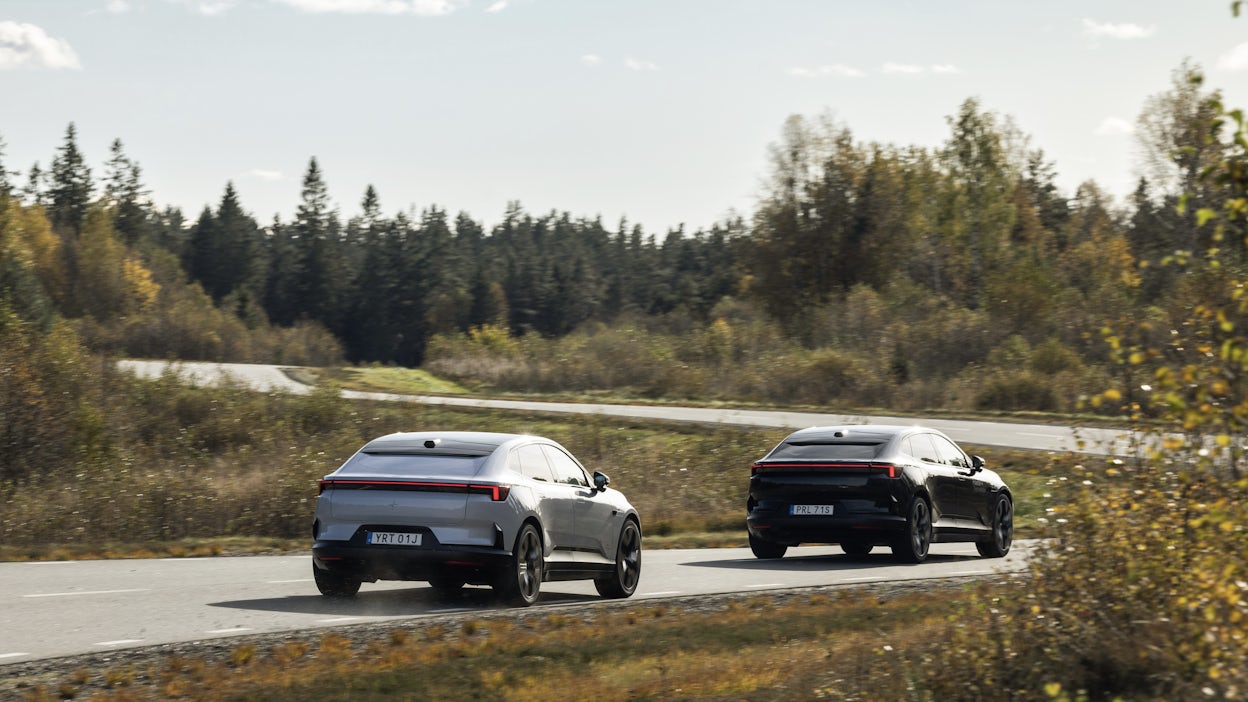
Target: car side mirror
[
  {"x": 601, "y": 481},
  {"x": 977, "y": 463}
]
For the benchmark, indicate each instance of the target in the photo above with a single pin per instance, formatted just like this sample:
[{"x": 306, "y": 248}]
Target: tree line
[{"x": 977, "y": 226}]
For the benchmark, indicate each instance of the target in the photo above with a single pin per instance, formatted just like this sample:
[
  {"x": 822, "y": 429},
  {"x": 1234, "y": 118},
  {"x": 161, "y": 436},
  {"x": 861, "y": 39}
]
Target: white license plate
[
  {"x": 393, "y": 538},
  {"x": 810, "y": 510}
]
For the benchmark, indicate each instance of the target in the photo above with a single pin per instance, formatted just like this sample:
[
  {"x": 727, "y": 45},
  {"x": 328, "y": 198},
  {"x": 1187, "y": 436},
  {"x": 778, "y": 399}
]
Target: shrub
[{"x": 1012, "y": 392}]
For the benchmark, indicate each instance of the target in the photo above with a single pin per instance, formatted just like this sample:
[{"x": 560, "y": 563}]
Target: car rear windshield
[
  {"x": 401, "y": 465},
  {"x": 839, "y": 451}
]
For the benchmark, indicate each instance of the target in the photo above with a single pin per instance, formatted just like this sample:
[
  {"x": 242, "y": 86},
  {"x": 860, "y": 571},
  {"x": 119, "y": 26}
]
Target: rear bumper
[
  {"x": 371, "y": 563},
  {"x": 878, "y": 529}
]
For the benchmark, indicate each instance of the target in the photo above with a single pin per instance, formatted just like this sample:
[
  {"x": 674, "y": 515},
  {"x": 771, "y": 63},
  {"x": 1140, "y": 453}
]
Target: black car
[{"x": 904, "y": 487}]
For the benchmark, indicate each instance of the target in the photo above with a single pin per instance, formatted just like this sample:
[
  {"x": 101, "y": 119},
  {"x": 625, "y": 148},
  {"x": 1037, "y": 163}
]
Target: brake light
[{"x": 498, "y": 493}]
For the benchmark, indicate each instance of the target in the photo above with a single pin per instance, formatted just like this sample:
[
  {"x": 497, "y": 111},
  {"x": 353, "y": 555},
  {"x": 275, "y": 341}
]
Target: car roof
[
  {"x": 478, "y": 443},
  {"x": 852, "y": 432}
]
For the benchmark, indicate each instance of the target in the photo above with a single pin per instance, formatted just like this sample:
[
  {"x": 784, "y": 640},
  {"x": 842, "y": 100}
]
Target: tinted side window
[
  {"x": 949, "y": 453},
  {"x": 922, "y": 448},
  {"x": 531, "y": 463},
  {"x": 566, "y": 470}
]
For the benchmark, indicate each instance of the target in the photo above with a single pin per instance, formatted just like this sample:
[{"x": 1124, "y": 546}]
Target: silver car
[{"x": 455, "y": 508}]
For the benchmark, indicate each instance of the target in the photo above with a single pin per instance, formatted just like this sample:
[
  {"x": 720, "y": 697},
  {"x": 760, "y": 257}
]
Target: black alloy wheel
[
  {"x": 766, "y": 549},
  {"x": 521, "y": 582},
  {"x": 912, "y": 547},
  {"x": 1002, "y": 530},
  {"x": 623, "y": 580},
  {"x": 333, "y": 584}
]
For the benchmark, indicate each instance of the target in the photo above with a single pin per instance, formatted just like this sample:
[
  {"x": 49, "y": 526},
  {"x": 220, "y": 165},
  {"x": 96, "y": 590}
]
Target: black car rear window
[
  {"x": 828, "y": 451},
  {"x": 412, "y": 465}
]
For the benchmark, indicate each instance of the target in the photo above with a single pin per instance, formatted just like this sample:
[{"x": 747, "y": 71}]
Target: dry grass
[{"x": 790, "y": 647}]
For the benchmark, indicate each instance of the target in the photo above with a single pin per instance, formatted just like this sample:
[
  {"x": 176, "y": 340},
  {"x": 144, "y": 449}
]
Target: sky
[{"x": 657, "y": 112}]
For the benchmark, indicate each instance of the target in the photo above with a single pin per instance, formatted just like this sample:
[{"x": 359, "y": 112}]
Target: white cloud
[
  {"x": 262, "y": 174},
  {"x": 1093, "y": 28},
  {"x": 912, "y": 69},
  {"x": 25, "y": 45},
  {"x": 837, "y": 69},
  {"x": 497, "y": 7},
  {"x": 902, "y": 68},
  {"x": 424, "y": 8},
  {"x": 212, "y": 8},
  {"x": 639, "y": 65},
  {"x": 1236, "y": 59},
  {"x": 591, "y": 59},
  {"x": 117, "y": 7},
  {"x": 1115, "y": 125}
]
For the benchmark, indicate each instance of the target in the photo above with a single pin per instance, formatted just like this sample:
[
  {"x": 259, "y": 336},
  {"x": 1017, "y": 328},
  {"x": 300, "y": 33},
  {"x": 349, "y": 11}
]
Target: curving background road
[
  {"x": 1040, "y": 437},
  {"x": 58, "y": 609}
]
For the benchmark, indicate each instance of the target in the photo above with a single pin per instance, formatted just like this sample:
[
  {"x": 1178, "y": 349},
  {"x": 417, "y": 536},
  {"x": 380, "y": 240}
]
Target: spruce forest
[{"x": 870, "y": 275}]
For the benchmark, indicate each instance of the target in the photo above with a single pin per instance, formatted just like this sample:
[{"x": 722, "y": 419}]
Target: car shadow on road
[
  {"x": 822, "y": 562},
  {"x": 391, "y": 602}
]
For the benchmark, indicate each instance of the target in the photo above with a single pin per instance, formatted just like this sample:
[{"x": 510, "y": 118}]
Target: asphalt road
[
  {"x": 64, "y": 608},
  {"x": 1040, "y": 437}
]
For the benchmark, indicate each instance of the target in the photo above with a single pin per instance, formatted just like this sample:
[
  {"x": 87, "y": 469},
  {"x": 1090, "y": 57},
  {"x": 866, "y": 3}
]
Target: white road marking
[
  {"x": 660, "y": 594},
  {"x": 861, "y": 580},
  {"x": 283, "y": 582},
  {"x": 118, "y": 642},
  {"x": 448, "y": 611},
  {"x": 48, "y": 562},
  {"x": 337, "y": 620},
  {"x": 969, "y": 572},
  {"x": 12, "y": 655},
  {"x": 770, "y": 585},
  {"x": 228, "y": 631},
  {"x": 88, "y": 592},
  {"x": 1044, "y": 436}
]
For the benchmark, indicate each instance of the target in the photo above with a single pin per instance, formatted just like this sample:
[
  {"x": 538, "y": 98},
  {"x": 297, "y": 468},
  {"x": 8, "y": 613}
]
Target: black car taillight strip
[
  {"x": 763, "y": 467},
  {"x": 497, "y": 493}
]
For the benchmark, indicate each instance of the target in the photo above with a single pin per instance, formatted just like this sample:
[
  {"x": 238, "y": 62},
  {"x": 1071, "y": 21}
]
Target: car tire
[
  {"x": 1002, "y": 530},
  {"x": 333, "y": 584},
  {"x": 521, "y": 582},
  {"x": 622, "y": 582},
  {"x": 912, "y": 546},
  {"x": 857, "y": 549},
  {"x": 766, "y": 549}
]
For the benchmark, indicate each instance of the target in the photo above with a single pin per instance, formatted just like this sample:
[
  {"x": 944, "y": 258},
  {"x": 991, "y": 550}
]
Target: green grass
[{"x": 392, "y": 379}]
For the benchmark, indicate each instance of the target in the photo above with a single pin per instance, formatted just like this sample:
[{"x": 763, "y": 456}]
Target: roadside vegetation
[
  {"x": 762, "y": 647},
  {"x": 160, "y": 467}
]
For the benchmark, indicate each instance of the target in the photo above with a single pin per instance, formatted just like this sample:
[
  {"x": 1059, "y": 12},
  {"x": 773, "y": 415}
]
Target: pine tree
[
  {"x": 318, "y": 283},
  {"x": 70, "y": 190},
  {"x": 6, "y": 186},
  {"x": 123, "y": 191}
]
